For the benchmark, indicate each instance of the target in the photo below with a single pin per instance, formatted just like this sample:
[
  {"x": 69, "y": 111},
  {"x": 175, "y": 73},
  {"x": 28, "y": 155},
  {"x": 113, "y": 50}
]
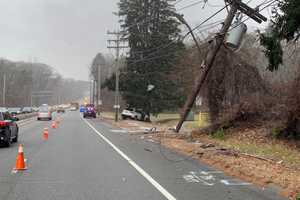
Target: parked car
[
  {"x": 144, "y": 115},
  {"x": 90, "y": 111},
  {"x": 60, "y": 109},
  {"x": 136, "y": 114},
  {"x": 131, "y": 113},
  {"x": 27, "y": 110},
  {"x": 73, "y": 108},
  {"x": 9, "y": 129},
  {"x": 82, "y": 109},
  {"x": 35, "y": 109},
  {"x": 44, "y": 113},
  {"x": 15, "y": 111},
  {"x": 3, "y": 109}
]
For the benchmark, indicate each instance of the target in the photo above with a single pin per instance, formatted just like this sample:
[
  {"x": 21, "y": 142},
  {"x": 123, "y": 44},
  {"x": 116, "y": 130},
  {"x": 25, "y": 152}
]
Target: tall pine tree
[
  {"x": 154, "y": 39},
  {"x": 285, "y": 25}
]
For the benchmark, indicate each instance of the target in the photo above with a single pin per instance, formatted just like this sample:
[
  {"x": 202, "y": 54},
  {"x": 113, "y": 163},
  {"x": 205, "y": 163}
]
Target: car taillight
[{"x": 2, "y": 123}]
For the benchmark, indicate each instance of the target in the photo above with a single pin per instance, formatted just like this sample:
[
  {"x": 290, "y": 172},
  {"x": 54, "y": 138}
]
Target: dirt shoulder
[{"x": 245, "y": 153}]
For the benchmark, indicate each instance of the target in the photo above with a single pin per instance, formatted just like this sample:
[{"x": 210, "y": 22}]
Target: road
[{"x": 91, "y": 160}]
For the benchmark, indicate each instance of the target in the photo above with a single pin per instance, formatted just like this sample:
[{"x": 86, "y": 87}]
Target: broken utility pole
[{"x": 235, "y": 5}]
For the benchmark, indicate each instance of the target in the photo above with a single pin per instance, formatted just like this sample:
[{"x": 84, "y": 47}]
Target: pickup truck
[{"x": 8, "y": 129}]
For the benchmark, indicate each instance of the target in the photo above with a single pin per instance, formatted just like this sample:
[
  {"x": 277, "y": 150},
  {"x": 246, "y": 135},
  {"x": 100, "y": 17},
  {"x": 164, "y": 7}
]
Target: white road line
[
  {"x": 160, "y": 188},
  {"x": 234, "y": 183}
]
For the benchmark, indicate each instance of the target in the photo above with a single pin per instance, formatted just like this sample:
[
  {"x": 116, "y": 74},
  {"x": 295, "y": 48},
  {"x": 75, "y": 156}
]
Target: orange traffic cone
[
  {"x": 53, "y": 125},
  {"x": 20, "y": 161},
  {"x": 45, "y": 134}
]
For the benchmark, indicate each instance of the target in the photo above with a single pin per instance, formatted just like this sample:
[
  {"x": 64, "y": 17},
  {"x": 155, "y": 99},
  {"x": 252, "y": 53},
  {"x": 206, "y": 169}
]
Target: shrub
[
  {"x": 219, "y": 134},
  {"x": 275, "y": 132}
]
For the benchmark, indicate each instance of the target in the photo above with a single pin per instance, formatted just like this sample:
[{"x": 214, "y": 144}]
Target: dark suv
[
  {"x": 89, "y": 111},
  {"x": 8, "y": 129}
]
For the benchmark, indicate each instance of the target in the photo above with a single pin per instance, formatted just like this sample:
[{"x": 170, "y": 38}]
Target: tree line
[{"x": 33, "y": 84}]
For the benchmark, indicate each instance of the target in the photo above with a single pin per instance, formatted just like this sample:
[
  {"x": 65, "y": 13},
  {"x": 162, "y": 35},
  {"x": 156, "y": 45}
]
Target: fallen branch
[{"x": 257, "y": 157}]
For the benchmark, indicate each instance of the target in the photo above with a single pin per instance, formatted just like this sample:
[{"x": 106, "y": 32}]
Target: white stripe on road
[{"x": 160, "y": 188}]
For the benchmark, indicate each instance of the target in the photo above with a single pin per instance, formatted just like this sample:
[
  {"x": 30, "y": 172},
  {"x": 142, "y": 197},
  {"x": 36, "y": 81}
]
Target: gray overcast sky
[{"x": 67, "y": 34}]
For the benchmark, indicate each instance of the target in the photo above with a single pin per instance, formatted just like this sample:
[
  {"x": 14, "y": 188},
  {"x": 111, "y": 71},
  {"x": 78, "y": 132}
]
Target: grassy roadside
[
  {"x": 260, "y": 159},
  {"x": 275, "y": 150}
]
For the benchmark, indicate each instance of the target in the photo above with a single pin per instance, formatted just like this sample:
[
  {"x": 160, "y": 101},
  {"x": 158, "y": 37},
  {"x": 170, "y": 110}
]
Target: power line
[
  {"x": 237, "y": 5},
  {"x": 190, "y": 5},
  {"x": 177, "y": 2},
  {"x": 148, "y": 58},
  {"x": 156, "y": 57},
  {"x": 160, "y": 56},
  {"x": 167, "y": 45},
  {"x": 149, "y": 20},
  {"x": 270, "y": 2},
  {"x": 170, "y": 43},
  {"x": 206, "y": 27},
  {"x": 164, "y": 46},
  {"x": 220, "y": 10},
  {"x": 213, "y": 5},
  {"x": 173, "y": 41}
]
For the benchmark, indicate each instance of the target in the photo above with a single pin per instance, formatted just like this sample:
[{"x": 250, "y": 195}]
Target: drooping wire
[
  {"x": 178, "y": 1},
  {"x": 190, "y": 5},
  {"x": 198, "y": 26}
]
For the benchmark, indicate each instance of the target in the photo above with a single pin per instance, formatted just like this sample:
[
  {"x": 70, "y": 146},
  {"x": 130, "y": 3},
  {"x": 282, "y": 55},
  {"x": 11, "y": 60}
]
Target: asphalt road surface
[{"x": 91, "y": 160}]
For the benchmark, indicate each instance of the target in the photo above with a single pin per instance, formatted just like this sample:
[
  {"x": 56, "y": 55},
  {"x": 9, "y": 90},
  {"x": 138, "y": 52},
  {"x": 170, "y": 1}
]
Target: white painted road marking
[
  {"x": 209, "y": 179},
  {"x": 210, "y": 172},
  {"x": 190, "y": 178},
  {"x": 193, "y": 177},
  {"x": 234, "y": 183},
  {"x": 160, "y": 188},
  {"x": 118, "y": 131}
]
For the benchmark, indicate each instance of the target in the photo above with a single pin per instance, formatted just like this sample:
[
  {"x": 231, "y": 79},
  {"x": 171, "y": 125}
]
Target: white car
[
  {"x": 44, "y": 113},
  {"x": 131, "y": 114},
  {"x": 3, "y": 109},
  {"x": 73, "y": 108}
]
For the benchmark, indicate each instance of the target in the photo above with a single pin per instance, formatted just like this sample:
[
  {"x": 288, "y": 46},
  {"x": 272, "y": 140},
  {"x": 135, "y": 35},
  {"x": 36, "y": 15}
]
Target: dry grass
[
  {"x": 252, "y": 169},
  {"x": 165, "y": 117},
  {"x": 249, "y": 168},
  {"x": 171, "y": 120},
  {"x": 276, "y": 151},
  {"x": 108, "y": 115}
]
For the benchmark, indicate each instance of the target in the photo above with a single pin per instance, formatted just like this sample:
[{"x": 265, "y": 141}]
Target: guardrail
[{"x": 26, "y": 116}]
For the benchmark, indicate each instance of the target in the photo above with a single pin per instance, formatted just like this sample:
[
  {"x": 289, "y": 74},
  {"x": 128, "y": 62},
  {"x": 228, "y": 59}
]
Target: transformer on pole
[{"x": 236, "y": 34}]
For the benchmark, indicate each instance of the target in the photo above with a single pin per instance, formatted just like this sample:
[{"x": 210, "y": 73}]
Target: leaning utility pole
[
  {"x": 235, "y": 5},
  {"x": 117, "y": 47}
]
